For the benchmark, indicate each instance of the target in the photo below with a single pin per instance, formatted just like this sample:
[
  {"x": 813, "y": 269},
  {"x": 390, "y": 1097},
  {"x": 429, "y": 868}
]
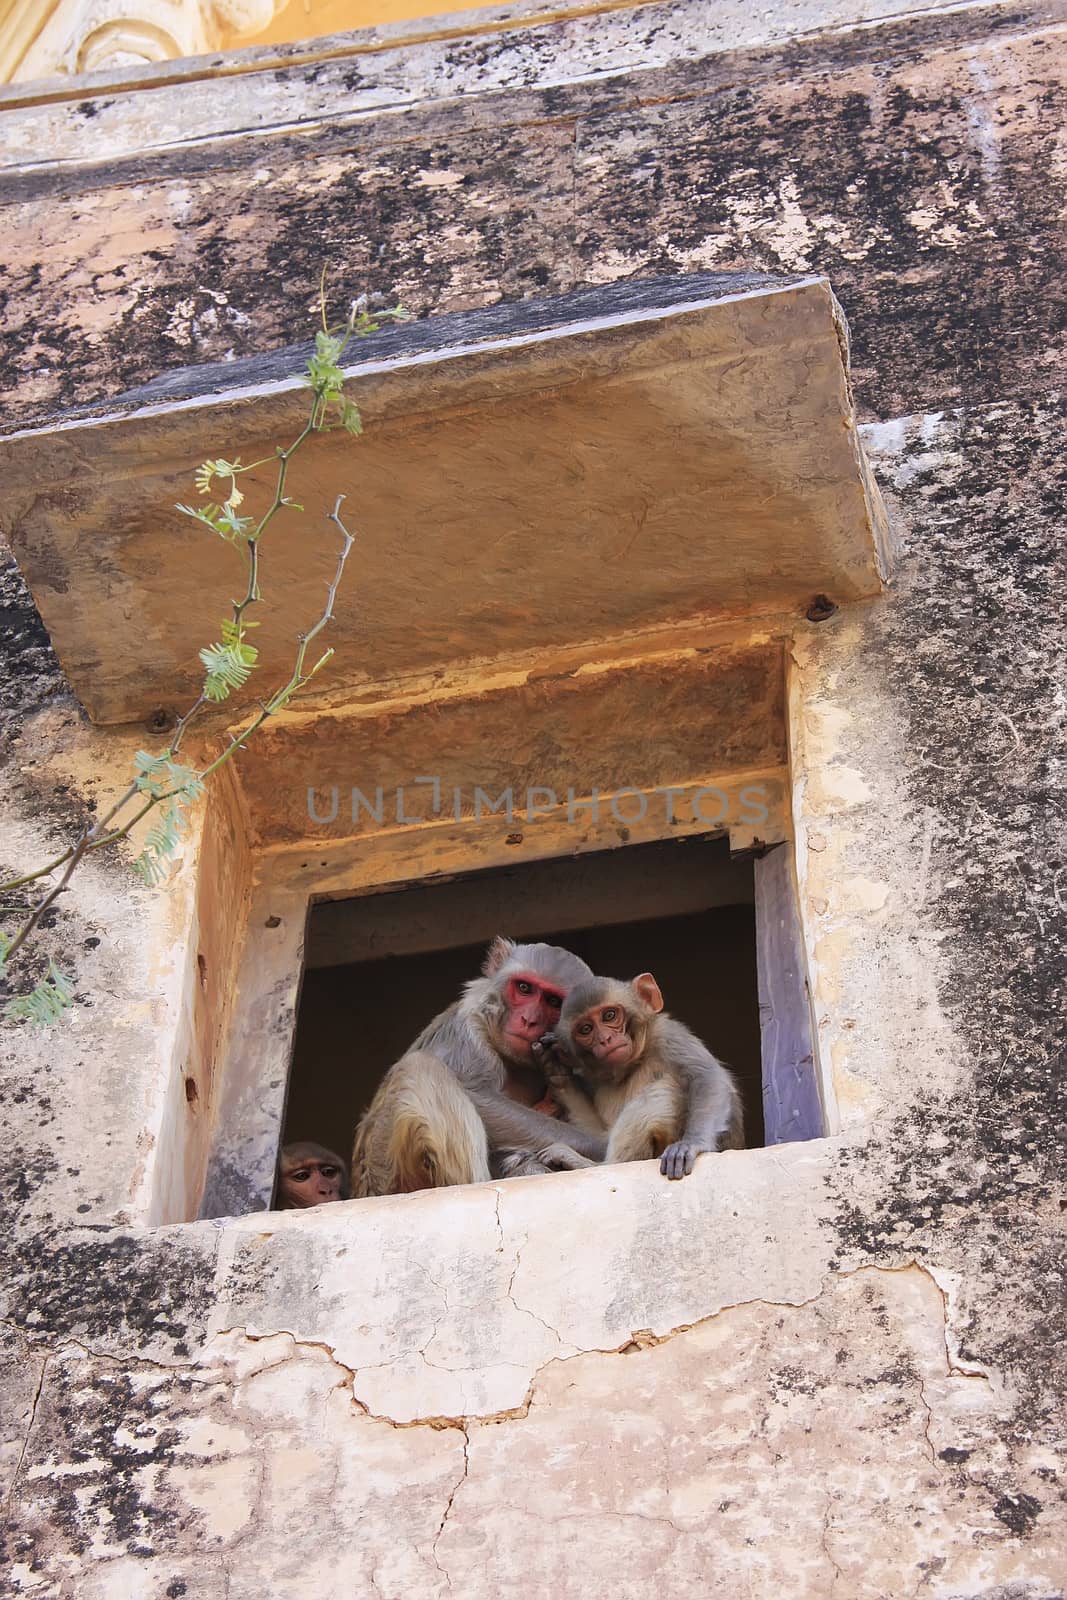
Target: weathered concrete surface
[
  {"x": 907, "y": 1413},
  {"x": 118, "y": 1123},
  {"x": 864, "y": 1394},
  {"x": 470, "y": 1393},
  {"x": 916, "y": 163}
]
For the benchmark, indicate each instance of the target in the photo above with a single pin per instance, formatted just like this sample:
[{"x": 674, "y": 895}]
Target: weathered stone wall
[{"x": 816, "y": 1370}]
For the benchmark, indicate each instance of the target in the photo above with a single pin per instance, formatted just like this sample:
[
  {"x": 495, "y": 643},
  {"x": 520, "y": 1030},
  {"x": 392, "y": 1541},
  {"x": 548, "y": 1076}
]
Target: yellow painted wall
[{"x": 310, "y": 19}]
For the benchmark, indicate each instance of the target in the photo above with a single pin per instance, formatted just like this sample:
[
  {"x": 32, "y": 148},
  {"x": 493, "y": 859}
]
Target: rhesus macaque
[
  {"x": 310, "y": 1175},
  {"x": 652, "y": 1086},
  {"x": 469, "y": 1087}
]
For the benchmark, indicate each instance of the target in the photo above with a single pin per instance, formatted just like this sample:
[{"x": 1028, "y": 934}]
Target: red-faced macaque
[
  {"x": 310, "y": 1175},
  {"x": 469, "y": 1087},
  {"x": 649, "y": 1083}
]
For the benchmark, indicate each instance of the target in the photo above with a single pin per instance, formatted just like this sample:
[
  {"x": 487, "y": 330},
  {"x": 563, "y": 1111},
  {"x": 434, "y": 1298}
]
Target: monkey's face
[
  {"x": 312, "y": 1181},
  {"x": 529, "y": 1007},
  {"x": 602, "y": 1038},
  {"x": 520, "y": 995}
]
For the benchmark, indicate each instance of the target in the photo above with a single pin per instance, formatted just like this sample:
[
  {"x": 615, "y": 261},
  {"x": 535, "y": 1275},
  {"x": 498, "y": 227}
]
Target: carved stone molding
[{"x": 73, "y": 36}]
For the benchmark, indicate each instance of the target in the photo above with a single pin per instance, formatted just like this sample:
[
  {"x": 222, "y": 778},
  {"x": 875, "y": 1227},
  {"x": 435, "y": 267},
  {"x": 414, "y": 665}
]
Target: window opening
[{"x": 380, "y": 966}]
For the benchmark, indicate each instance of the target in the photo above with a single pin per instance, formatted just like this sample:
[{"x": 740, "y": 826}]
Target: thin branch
[
  {"x": 50, "y": 898},
  {"x": 324, "y": 393},
  {"x": 296, "y": 681},
  {"x": 183, "y": 722},
  {"x": 298, "y": 678}
]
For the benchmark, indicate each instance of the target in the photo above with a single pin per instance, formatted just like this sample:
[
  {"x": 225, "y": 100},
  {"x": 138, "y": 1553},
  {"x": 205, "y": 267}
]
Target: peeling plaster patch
[
  {"x": 982, "y": 123},
  {"x": 863, "y": 896},
  {"x": 837, "y": 788},
  {"x": 440, "y": 179},
  {"x": 779, "y": 221},
  {"x": 224, "y": 1494},
  {"x": 863, "y": 1363}
]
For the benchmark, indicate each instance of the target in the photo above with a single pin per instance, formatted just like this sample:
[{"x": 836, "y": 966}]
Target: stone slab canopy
[{"x": 531, "y": 476}]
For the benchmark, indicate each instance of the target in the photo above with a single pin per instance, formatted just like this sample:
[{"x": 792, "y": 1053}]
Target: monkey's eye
[
  {"x": 300, "y": 1177},
  {"x": 583, "y": 1030},
  {"x": 553, "y": 1000},
  {"x": 610, "y": 1014},
  {"x": 328, "y": 1172},
  {"x": 523, "y": 987}
]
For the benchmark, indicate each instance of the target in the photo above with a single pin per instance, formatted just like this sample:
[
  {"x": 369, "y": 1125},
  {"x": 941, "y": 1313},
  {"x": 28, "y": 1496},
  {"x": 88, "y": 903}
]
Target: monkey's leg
[
  {"x": 648, "y": 1122},
  {"x": 516, "y": 1164},
  {"x": 421, "y": 1131},
  {"x": 536, "y": 1163}
]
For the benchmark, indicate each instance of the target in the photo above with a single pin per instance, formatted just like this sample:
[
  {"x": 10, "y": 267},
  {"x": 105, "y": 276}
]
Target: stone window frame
[
  {"x": 241, "y": 1163},
  {"x": 256, "y": 876}
]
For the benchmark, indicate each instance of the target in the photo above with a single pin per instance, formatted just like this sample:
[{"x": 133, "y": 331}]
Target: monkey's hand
[
  {"x": 551, "y": 1062},
  {"x": 678, "y": 1158},
  {"x": 561, "y": 1158}
]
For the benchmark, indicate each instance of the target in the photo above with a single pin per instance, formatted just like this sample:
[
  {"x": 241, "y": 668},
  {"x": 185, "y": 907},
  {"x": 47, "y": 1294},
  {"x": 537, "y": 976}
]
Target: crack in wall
[
  {"x": 449, "y": 1504},
  {"x": 927, "y": 1422},
  {"x": 638, "y": 1340},
  {"x": 824, "y": 1544},
  {"x": 34, "y": 1403}
]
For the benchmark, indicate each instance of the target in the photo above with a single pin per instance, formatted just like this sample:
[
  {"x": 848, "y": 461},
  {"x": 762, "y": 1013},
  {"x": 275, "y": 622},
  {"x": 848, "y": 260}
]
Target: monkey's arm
[
  {"x": 578, "y": 1105},
  {"x": 510, "y": 1125},
  {"x": 563, "y": 1086},
  {"x": 713, "y": 1120},
  {"x": 514, "y": 1126}
]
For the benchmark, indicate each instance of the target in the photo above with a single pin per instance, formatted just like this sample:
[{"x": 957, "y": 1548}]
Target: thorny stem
[
  {"x": 93, "y": 838},
  {"x": 99, "y": 834},
  {"x": 90, "y": 840},
  {"x": 53, "y": 894},
  {"x": 183, "y": 722},
  {"x": 298, "y": 677}
]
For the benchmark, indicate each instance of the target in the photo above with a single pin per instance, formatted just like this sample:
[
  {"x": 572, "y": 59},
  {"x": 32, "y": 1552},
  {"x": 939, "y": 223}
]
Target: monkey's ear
[
  {"x": 647, "y": 987},
  {"x": 499, "y": 951}
]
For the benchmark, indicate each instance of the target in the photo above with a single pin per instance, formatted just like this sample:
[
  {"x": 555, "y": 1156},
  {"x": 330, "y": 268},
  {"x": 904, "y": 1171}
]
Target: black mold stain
[
  {"x": 1018, "y": 1512},
  {"x": 116, "y": 1420},
  {"x": 969, "y": 642},
  {"x": 98, "y": 1285},
  {"x": 952, "y": 274},
  {"x": 31, "y": 675}
]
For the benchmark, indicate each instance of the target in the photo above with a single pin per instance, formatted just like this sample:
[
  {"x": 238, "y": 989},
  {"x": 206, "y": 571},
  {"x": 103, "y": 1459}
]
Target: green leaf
[
  {"x": 186, "y": 781},
  {"x": 228, "y": 667},
  {"x": 158, "y": 775},
  {"x": 323, "y": 373},
  {"x": 234, "y": 632},
  {"x": 230, "y": 525},
  {"x": 161, "y": 841},
  {"x": 208, "y": 470},
  {"x": 150, "y": 773},
  {"x": 46, "y": 1002},
  {"x": 205, "y": 514},
  {"x": 351, "y": 420},
  {"x": 222, "y": 520}
]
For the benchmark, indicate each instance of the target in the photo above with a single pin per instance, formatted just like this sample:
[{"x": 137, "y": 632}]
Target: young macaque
[
  {"x": 467, "y": 1101},
  {"x": 310, "y": 1175},
  {"x": 649, "y": 1083}
]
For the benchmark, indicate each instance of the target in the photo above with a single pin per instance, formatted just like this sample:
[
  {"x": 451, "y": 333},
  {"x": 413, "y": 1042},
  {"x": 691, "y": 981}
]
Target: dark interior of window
[{"x": 380, "y": 966}]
